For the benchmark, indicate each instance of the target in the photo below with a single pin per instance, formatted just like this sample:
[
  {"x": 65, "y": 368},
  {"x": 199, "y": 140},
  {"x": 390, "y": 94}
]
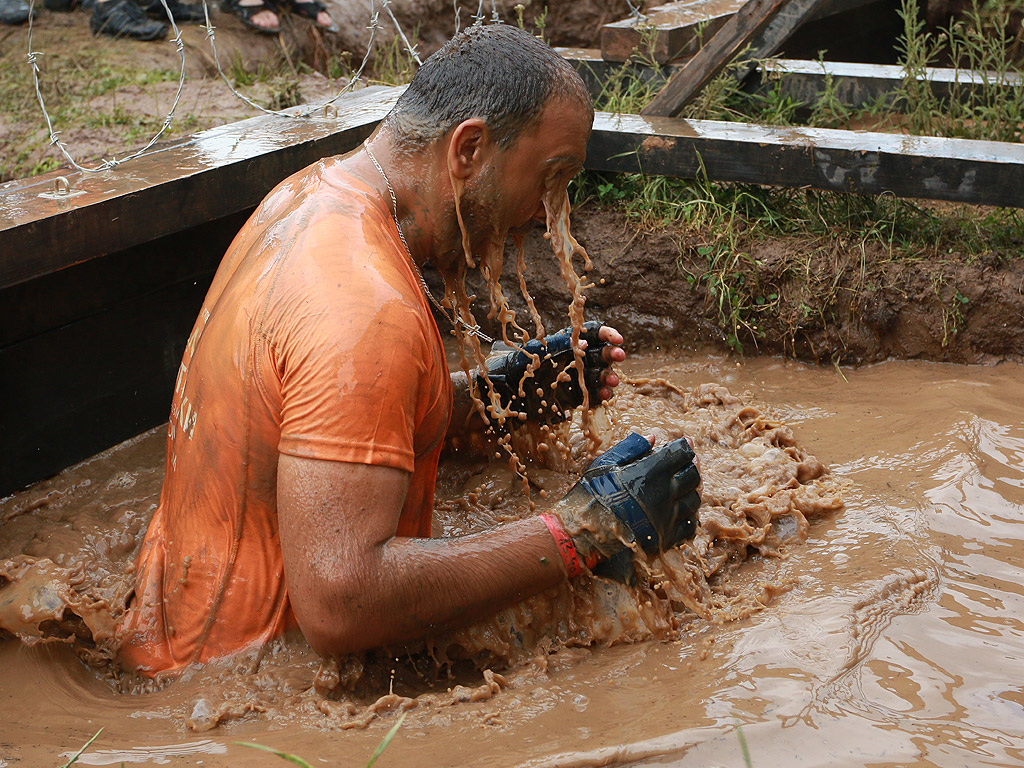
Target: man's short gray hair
[{"x": 495, "y": 72}]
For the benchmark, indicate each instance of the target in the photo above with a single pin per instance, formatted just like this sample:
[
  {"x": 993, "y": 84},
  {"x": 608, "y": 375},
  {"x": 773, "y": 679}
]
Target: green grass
[
  {"x": 719, "y": 227},
  {"x": 69, "y": 85},
  {"x": 296, "y": 760}
]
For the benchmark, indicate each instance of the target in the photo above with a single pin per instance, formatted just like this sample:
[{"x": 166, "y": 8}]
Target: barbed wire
[
  {"x": 111, "y": 162},
  {"x": 309, "y": 112},
  {"x": 635, "y": 12}
]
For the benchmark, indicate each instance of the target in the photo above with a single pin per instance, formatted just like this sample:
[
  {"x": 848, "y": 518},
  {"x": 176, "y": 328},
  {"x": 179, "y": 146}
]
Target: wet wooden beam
[
  {"x": 678, "y": 29},
  {"x": 180, "y": 185},
  {"x": 668, "y": 31},
  {"x": 99, "y": 289},
  {"x": 857, "y": 86},
  {"x": 854, "y": 85},
  {"x": 959, "y": 170},
  {"x": 756, "y": 30}
]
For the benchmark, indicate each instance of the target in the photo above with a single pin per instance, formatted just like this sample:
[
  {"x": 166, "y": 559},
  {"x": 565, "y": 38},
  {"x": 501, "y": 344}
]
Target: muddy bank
[{"x": 819, "y": 299}]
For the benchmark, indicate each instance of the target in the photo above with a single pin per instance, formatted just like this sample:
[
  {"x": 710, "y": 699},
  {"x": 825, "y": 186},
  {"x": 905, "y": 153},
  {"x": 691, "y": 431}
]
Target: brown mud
[
  {"x": 889, "y": 637},
  {"x": 70, "y": 547}
]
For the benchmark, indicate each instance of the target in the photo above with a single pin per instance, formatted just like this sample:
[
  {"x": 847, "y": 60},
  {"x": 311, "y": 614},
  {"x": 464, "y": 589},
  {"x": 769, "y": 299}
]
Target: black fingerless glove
[
  {"x": 541, "y": 396},
  {"x": 653, "y": 493},
  {"x": 629, "y": 494}
]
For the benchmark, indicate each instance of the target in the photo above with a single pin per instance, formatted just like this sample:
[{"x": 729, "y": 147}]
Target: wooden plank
[
  {"x": 858, "y": 85},
  {"x": 854, "y": 85},
  {"x": 677, "y": 29},
  {"x": 89, "y": 354},
  {"x": 959, "y": 170},
  {"x": 668, "y": 31},
  {"x": 758, "y": 28},
  {"x": 181, "y": 184},
  {"x": 596, "y": 70}
]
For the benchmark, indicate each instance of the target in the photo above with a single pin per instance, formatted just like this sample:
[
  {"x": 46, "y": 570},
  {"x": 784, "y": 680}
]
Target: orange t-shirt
[{"x": 315, "y": 340}]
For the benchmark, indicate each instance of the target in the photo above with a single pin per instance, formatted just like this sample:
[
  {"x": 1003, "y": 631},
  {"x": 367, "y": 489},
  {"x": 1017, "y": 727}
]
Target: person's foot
[
  {"x": 256, "y": 15},
  {"x": 179, "y": 11},
  {"x": 123, "y": 18},
  {"x": 314, "y": 9},
  {"x": 15, "y": 12}
]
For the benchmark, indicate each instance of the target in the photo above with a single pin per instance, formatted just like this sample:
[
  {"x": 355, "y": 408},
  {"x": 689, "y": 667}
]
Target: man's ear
[{"x": 468, "y": 147}]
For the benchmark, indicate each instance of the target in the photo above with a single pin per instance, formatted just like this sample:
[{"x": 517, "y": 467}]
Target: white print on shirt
[{"x": 183, "y": 412}]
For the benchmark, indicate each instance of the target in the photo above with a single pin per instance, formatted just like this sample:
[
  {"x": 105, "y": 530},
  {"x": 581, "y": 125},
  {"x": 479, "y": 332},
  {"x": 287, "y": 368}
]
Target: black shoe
[
  {"x": 180, "y": 11},
  {"x": 123, "y": 18},
  {"x": 15, "y": 12},
  {"x": 61, "y": 6}
]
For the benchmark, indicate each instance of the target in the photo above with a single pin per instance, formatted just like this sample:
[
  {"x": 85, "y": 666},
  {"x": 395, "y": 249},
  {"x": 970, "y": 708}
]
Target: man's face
[{"x": 509, "y": 192}]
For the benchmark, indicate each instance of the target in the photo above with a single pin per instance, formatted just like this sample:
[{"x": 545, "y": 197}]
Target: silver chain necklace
[{"x": 454, "y": 318}]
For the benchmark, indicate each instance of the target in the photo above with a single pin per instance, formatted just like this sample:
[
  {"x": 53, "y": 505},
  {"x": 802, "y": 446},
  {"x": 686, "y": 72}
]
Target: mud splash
[
  {"x": 760, "y": 489},
  {"x": 893, "y": 644}
]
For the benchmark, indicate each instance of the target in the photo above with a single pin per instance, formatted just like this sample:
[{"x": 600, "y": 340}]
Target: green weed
[
  {"x": 743, "y": 746},
  {"x": 392, "y": 63},
  {"x": 953, "y": 319},
  {"x": 981, "y": 41},
  {"x": 78, "y": 754},
  {"x": 303, "y": 764}
]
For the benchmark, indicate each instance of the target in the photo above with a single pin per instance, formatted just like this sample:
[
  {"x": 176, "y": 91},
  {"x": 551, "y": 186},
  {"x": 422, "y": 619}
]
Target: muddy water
[{"x": 899, "y": 641}]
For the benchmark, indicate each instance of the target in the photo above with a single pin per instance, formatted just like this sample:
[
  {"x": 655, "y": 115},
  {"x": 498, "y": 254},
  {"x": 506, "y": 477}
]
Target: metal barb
[
  {"x": 54, "y": 135},
  {"x": 176, "y": 40}
]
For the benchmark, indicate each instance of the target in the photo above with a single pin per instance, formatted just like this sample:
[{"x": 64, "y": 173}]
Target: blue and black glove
[
  {"x": 629, "y": 494},
  {"x": 542, "y": 396}
]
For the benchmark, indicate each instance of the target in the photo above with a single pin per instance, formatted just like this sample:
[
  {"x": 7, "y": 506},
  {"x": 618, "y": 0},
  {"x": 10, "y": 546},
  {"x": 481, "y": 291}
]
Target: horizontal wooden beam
[
  {"x": 959, "y": 170},
  {"x": 678, "y": 29},
  {"x": 756, "y": 30},
  {"x": 857, "y": 85},
  {"x": 854, "y": 85},
  {"x": 177, "y": 186}
]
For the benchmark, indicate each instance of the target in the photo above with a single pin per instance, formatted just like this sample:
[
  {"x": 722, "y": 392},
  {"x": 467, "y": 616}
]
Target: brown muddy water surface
[{"x": 892, "y": 636}]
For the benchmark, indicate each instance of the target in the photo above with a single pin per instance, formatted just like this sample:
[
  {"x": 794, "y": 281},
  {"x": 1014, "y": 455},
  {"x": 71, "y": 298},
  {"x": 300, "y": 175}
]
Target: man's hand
[
  {"x": 540, "y": 380},
  {"x": 631, "y": 494}
]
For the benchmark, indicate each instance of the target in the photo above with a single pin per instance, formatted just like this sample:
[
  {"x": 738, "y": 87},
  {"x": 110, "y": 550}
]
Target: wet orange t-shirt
[{"x": 315, "y": 340}]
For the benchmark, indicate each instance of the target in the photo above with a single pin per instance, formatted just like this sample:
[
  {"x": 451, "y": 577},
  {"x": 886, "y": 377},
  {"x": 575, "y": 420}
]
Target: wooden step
[{"x": 678, "y": 29}]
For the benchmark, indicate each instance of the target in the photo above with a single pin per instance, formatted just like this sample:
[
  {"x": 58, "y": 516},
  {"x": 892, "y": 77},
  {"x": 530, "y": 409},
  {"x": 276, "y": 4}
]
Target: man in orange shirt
[{"x": 313, "y": 398}]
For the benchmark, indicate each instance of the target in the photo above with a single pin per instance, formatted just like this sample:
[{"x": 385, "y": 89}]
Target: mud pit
[{"x": 894, "y": 643}]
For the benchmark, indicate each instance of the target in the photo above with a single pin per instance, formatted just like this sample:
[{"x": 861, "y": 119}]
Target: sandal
[
  {"x": 310, "y": 9},
  {"x": 246, "y": 12}
]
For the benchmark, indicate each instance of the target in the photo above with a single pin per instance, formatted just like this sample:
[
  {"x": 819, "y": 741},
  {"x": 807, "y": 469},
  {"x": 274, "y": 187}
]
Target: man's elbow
[{"x": 339, "y": 622}]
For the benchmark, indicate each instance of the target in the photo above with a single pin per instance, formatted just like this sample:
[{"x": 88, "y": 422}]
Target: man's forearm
[{"x": 408, "y": 588}]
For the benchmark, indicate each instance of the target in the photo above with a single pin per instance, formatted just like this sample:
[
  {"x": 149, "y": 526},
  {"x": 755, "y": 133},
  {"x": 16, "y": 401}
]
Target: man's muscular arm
[{"x": 354, "y": 585}]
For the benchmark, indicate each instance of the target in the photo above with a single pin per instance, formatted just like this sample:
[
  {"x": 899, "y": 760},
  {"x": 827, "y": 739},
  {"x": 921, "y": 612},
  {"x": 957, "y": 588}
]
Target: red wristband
[{"x": 566, "y": 548}]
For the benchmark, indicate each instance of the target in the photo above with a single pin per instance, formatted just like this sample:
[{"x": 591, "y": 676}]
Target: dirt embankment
[{"x": 823, "y": 301}]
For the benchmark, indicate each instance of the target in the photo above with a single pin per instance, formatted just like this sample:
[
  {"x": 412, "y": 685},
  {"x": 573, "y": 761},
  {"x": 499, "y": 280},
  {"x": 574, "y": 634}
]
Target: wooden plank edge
[
  {"x": 957, "y": 170},
  {"x": 856, "y": 85},
  {"x": 203, "y": 177}
]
